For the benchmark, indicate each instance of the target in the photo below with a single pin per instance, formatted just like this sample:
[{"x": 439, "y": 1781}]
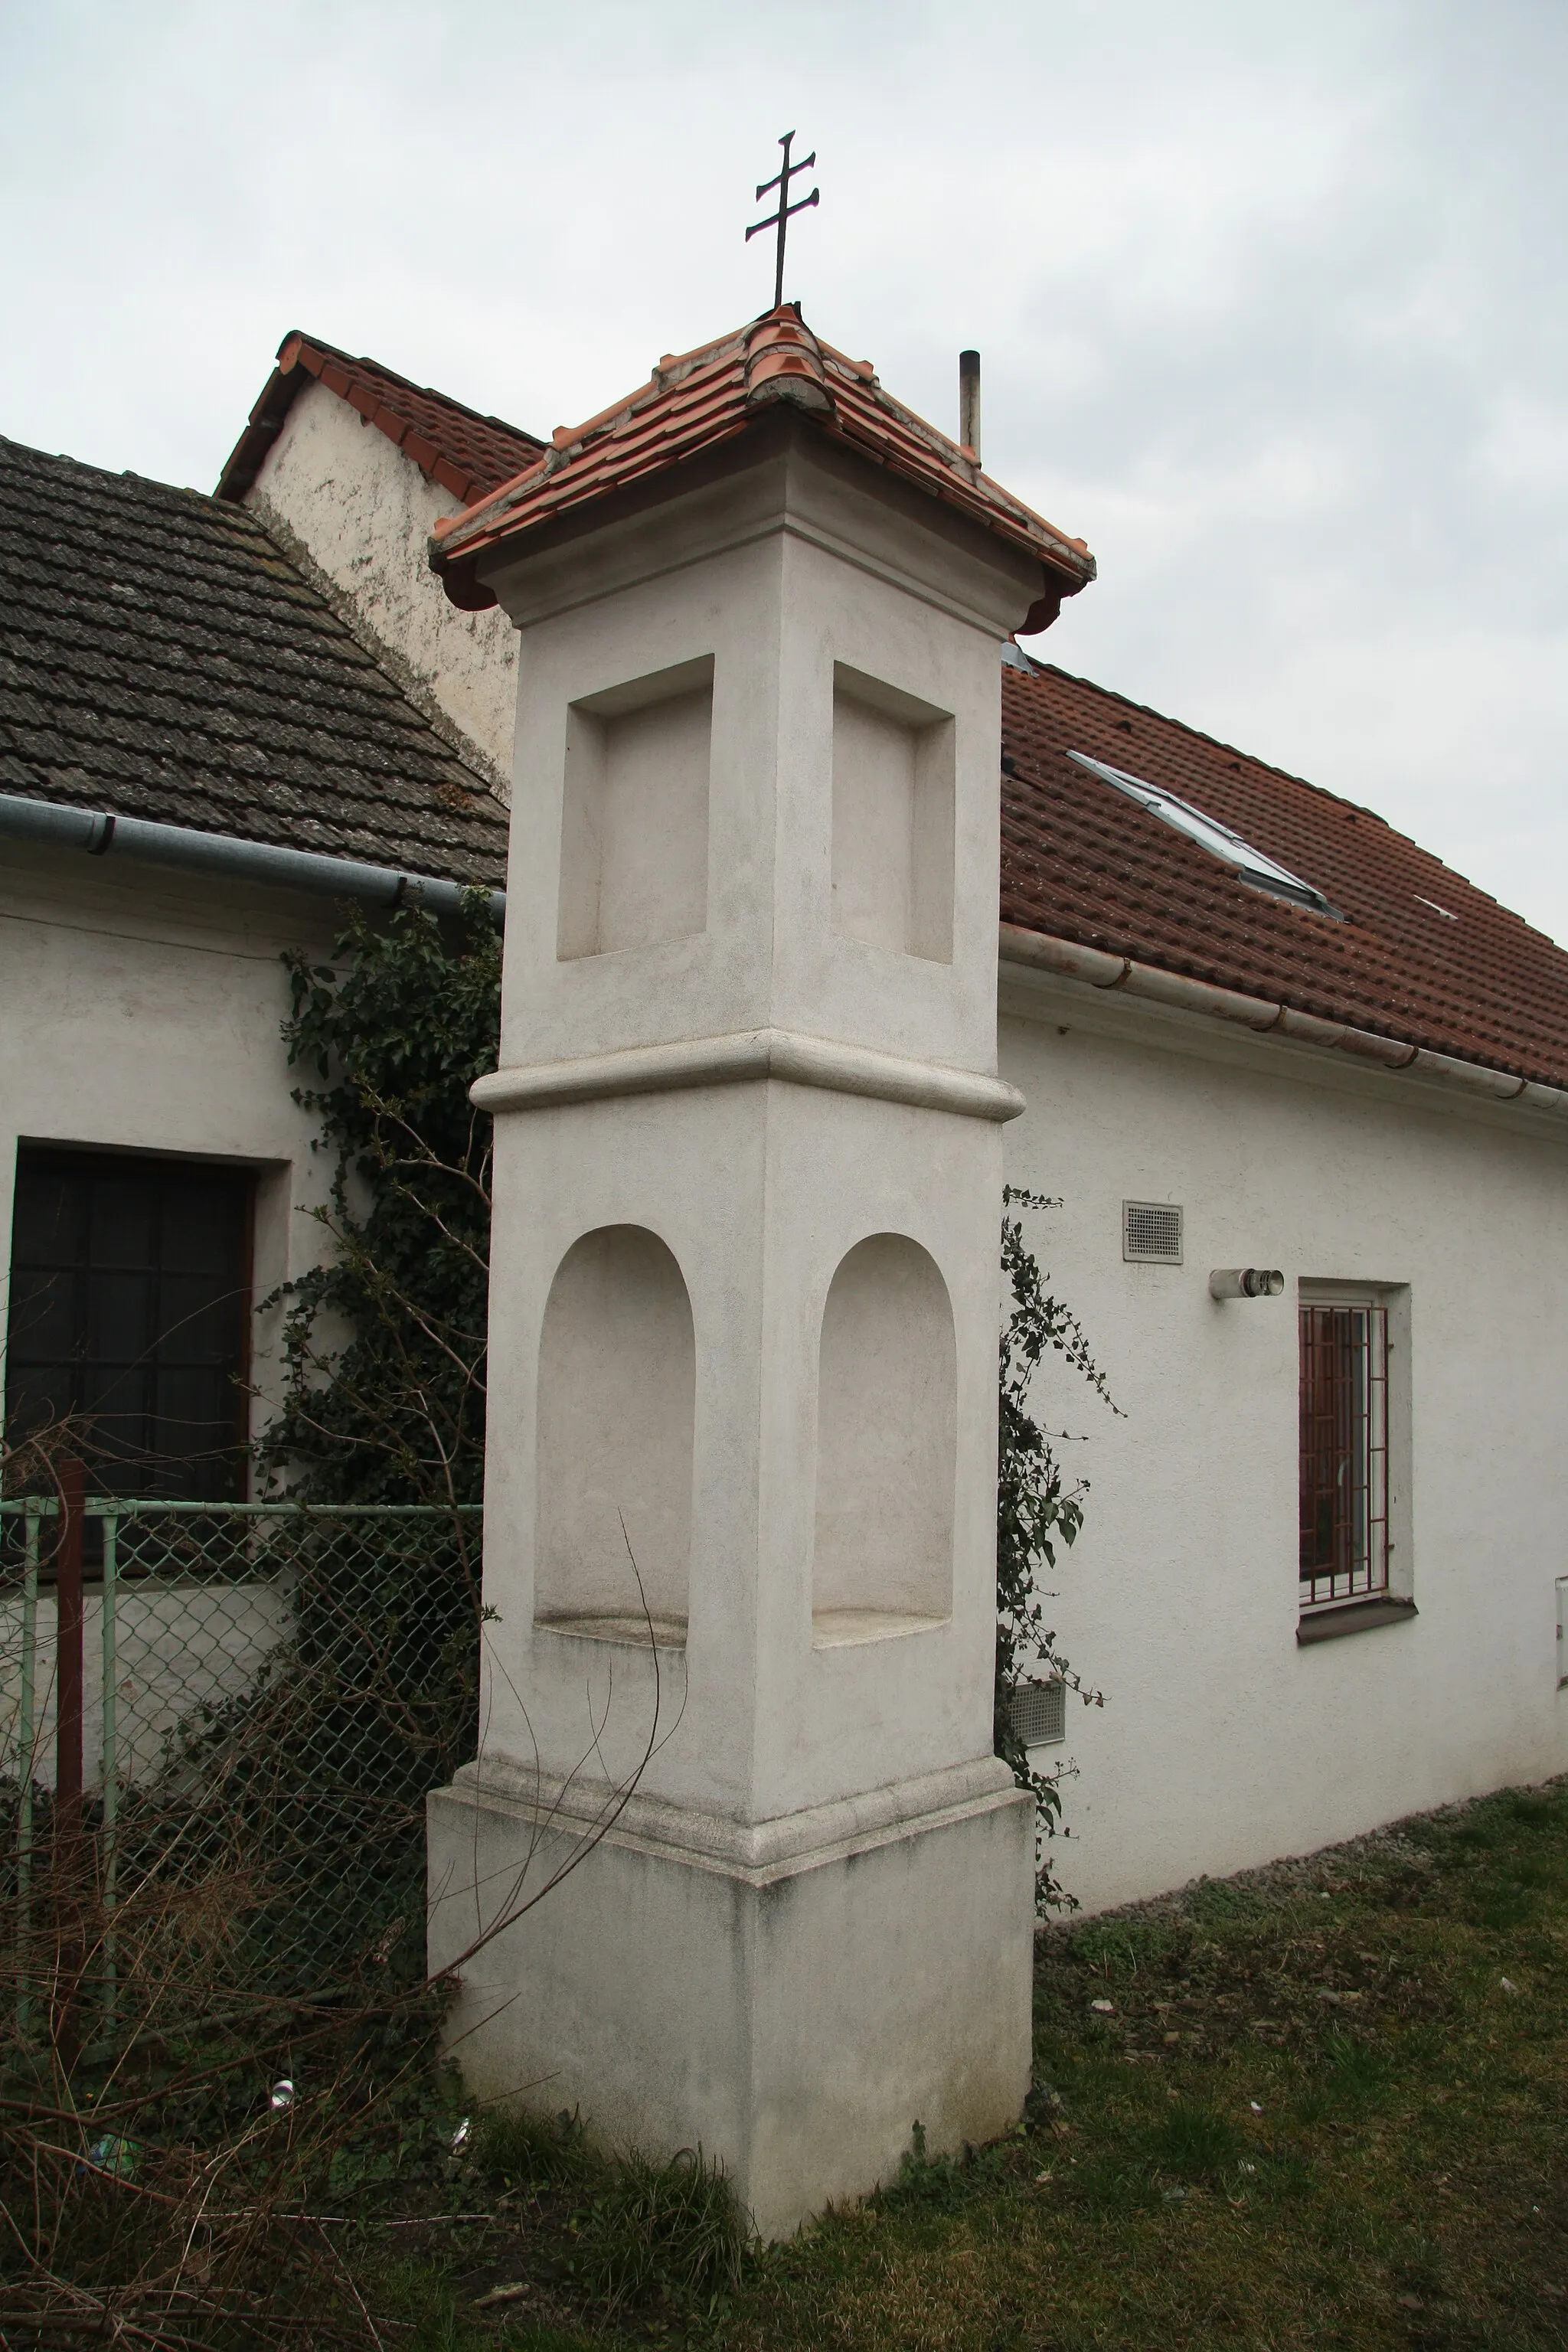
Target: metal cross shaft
[{"x": 781, "y": 219}]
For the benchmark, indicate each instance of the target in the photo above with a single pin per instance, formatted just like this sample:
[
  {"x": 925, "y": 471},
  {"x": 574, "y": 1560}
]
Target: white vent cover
[
  {"x": 1039, "y": 1713},
  {"x": 1152, "y": 1233}
]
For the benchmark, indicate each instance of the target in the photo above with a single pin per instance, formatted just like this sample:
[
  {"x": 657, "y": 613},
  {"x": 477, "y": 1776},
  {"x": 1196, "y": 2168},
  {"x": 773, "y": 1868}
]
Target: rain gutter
[
  {"x": 1068, "y": 961},
  {"x": 220, "y": 855},
  {"x": 99, "y": 834}
]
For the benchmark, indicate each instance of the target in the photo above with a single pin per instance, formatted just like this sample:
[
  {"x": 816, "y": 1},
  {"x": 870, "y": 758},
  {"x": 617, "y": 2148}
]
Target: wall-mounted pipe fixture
[
  {"x": 100, "y": 835},
  {"x": 968, "y": 402},
  {"x": 1246, "y": 1282}
]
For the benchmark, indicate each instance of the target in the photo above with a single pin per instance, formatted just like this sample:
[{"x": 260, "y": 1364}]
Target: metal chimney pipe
[{"x": 969, "y": 401}]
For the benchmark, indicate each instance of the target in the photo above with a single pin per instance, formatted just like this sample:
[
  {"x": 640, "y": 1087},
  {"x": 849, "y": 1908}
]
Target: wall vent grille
[
  {"x": 1152, "y": 1233},
  {"x": 1040, "y": 1712}
]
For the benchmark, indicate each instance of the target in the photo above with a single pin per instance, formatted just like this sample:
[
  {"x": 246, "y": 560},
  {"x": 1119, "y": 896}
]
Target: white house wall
[
  {"x": 365, "y": 512},
  {"x": 1222, "y": 1744},
  {"x": 140, "y": 1011}
]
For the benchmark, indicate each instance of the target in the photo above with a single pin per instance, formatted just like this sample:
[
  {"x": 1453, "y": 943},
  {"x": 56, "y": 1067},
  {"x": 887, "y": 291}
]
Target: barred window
[
  {"x": 130, "y": 1312},
  {"x": 1345, "y": 1452}
]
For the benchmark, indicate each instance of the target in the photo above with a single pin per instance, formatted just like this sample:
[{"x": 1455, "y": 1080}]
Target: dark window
[
  {"x": 1345, "y": 1452},
  {"x": 129, "y": 1309}
]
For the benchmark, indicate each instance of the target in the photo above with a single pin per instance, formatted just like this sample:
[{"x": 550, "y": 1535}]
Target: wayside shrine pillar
[{"x": 740, "y": 1536}]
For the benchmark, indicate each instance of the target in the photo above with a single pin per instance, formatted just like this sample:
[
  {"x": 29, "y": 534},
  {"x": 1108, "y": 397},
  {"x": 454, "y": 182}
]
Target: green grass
[
  {"x": 570, "y": 2237},
  {"x": 1316, "y": 2117}
]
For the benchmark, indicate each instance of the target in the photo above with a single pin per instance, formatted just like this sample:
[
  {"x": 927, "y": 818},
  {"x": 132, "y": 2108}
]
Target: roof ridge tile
[
  {"x": 467, "y": 452},
  {"x": 697, "y": 400}
]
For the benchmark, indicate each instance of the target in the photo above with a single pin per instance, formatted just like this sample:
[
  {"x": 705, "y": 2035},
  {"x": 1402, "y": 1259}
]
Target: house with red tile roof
[
  {"x": 829, "y": 904},
  {"x": 1303, "y": 1094},
  {"x": 1258, "y": 1027},
  {"x": 1256, "y": 1032}
]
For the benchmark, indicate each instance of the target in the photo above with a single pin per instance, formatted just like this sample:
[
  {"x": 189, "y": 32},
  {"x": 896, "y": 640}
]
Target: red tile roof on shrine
[
  {"x": 1412, "y": 951},
  {"x": 467, "y": 454},
  {"x": 694, "y": 403}
]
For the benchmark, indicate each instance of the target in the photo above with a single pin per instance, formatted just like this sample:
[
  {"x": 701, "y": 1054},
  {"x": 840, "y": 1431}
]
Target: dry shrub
[
  {"x": 263, "y": 1925},
  {"x": 215, "y": 2033}
]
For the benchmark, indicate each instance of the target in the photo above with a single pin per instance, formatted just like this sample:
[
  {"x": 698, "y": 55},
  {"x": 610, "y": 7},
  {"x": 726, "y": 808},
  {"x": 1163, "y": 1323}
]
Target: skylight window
[{"x": 1250, "y": 864}]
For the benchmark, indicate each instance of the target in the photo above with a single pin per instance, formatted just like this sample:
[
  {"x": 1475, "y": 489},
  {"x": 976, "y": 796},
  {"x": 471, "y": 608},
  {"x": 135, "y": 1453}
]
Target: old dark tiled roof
[
  {"x": 467, "y": 454},
  {"x": 161, "y": 658},
  {"x": 1421, "y": 955}
]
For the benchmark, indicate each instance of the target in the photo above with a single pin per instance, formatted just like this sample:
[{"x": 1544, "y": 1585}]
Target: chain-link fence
[{"x": 218, "y": 1724}]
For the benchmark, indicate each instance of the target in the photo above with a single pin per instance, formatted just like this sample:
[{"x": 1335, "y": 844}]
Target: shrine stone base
[{"x": 794, "y": 1997}]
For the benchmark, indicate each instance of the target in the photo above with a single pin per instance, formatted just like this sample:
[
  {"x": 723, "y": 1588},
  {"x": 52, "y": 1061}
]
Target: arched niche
[
  {"x": 886, "y": 1447},
  {"x": 616, "y": 1389}
]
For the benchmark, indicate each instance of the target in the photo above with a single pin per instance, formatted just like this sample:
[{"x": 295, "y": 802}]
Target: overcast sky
[{"x": 1269, "y": 298}]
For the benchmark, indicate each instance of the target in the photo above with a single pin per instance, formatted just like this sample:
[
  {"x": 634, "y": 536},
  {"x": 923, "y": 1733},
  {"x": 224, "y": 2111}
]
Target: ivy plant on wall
[
  {"x": 1037, "y": 1508},
  {"x": 383, "y": 1345}
]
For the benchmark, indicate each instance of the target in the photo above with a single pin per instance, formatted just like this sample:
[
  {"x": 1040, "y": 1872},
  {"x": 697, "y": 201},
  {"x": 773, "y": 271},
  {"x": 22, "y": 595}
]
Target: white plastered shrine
[{"x": 743, "y": 1331}]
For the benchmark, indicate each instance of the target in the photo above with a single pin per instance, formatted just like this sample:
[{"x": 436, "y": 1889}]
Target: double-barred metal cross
[{"x": 781, "y": 219}]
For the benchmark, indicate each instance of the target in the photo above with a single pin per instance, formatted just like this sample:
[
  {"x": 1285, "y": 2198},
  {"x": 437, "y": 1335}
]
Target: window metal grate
[
  {"x": 130, "y": 1310},
  {"x": 1150, "y": 1233},
  {"x": 1344, "y": 1454},
  {"x": 1039, "y": 1713}
]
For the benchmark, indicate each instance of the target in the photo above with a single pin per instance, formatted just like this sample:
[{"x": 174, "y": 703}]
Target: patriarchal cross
[{"x": 781, "y": 219}]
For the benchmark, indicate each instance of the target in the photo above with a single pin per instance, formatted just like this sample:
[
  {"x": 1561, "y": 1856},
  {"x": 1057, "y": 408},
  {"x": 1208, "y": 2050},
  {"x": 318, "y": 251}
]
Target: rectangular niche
[
  {"x": 634, "y": 829},
  {"x": 892, "y": 818}
]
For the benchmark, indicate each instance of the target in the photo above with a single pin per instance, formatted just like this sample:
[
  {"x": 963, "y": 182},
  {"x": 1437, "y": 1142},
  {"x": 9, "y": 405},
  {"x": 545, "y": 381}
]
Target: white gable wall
[
  {"x": 365, "y": 513},
  {"x": 1222, "y": 1744}
]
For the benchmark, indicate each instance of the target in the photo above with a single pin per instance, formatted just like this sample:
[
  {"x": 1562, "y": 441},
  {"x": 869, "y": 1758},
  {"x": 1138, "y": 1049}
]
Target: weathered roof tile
[
  {"x": 1081, "y": 861},
  {"x": 160, "y": 657}
]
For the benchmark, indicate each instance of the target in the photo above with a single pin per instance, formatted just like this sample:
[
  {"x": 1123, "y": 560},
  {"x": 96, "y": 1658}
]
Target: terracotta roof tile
[
  {"x": 1081, "y": 861},
  {"x": 693, "y": 402},
  {"x": 467, "y": 454}
]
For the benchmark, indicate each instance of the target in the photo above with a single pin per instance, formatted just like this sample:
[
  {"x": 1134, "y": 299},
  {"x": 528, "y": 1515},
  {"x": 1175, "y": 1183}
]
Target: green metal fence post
[
  {"x": 110, "y": 1765},
  {"x": 25, "y": 1761},
  {"x": 282, "y": 1676}
]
